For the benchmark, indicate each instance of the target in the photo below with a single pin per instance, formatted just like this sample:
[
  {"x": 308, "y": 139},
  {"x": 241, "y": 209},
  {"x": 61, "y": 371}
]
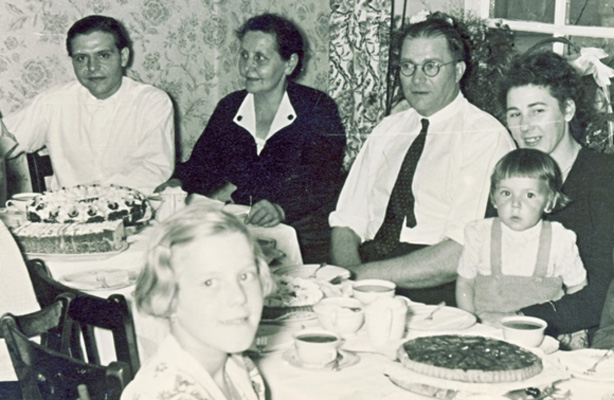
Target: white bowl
[
  {"x": 368, "y": 290},
  {"x": 528, "y": 331},
  {"x": 340, "y": 314}
]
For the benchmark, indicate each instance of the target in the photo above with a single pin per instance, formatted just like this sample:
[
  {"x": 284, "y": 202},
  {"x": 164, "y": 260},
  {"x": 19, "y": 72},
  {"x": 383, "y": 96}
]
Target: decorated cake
[
  {"x": 474, "y": 359},
  {"x": 89, "y": 204},
  {"x": 72, "y": 238},
  {"x": 82, "y": 219}
]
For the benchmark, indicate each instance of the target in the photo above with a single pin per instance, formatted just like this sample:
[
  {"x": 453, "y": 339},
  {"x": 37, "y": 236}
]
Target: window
[{"x": 586, "y": 23}]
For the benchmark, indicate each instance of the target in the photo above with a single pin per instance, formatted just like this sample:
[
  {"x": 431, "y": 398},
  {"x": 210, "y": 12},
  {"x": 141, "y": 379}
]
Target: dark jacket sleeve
[{"x": 591, "y": 217}]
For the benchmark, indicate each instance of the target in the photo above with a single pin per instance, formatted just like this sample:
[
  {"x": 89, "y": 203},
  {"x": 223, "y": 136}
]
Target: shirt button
[
  {"x": 290, "y": 117},
  {"x": 239, "y": 118}
]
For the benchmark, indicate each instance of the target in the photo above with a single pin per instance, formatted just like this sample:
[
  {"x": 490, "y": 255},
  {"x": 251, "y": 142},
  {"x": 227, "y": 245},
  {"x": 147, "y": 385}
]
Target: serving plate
[
  {"x": 445, "y": 319},
  {"x": 108, "y": 279},
  {"x": 78, "y": 257},
  {"x": 326, "y": 273}
]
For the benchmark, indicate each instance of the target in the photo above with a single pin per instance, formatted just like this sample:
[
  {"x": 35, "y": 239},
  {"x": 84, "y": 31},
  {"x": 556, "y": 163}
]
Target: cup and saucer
[{"x": 318, "y": 349}]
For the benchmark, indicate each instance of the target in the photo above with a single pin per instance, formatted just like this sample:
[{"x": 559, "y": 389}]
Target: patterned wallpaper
[{"x": 186, "y": 47}]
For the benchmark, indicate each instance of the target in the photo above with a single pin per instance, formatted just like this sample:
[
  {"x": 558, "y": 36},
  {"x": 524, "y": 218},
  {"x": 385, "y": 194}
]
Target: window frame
[{"x": 559, "y": 28}]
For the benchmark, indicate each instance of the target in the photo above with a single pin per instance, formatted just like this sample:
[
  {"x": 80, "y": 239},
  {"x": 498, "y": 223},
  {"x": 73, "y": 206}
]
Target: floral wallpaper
[{"x": 186, "y": 47}]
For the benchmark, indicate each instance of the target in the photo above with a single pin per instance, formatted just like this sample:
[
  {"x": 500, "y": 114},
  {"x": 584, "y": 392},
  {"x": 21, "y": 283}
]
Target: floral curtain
[
  {"x": 186, "y": 47},
  {"x": 359, "y": 46}
]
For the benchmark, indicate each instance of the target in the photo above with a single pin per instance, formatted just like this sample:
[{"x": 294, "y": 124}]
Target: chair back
[
  {"x": 40, "y": 167},
  {"x": 88, "y": 312},
  {"x": 50, "y": 375}
]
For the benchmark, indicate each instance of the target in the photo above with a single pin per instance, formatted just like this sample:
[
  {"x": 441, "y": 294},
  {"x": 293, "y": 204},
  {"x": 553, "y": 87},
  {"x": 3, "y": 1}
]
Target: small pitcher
[
  {"x": 173, "y": 200},
  {"x": 386, "y": 319}
]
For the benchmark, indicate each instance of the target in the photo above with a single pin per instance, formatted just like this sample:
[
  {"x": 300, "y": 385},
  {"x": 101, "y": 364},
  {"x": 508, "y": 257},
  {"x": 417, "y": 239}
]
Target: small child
[
  {"x": 206, "y": 274},
  {"x": 517, "y": 260}
]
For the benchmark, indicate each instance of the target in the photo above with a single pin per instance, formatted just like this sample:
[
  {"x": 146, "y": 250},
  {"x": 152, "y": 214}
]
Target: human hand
[
  {"x": 225, "y": 193},
  {"x": 174, "y": 182},
  {"x": 266, "y": 214},
  {"x": 494, "y": 318}
]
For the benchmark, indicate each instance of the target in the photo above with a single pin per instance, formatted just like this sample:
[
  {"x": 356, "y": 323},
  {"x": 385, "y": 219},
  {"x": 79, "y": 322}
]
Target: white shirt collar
[
  {"x": 246, "y": 118},
  {"x": 448, "y": 111},
  {"x": 92, "y": 102}
]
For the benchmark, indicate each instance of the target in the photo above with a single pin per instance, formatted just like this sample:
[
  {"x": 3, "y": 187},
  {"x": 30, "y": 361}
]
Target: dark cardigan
[
  {"x": 591, "y": 217},
  {"x": 299, "y": 168}
]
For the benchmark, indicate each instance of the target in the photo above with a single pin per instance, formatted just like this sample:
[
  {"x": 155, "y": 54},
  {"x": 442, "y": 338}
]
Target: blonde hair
[{"x": 157, "y": 288}]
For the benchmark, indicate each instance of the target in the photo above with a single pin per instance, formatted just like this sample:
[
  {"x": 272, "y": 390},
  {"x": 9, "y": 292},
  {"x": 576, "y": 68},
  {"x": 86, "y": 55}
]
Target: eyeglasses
[{"x": 430, "y": 68}]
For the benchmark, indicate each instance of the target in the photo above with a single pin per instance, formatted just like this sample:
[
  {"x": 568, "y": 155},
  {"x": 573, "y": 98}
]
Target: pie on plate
[{"x": 465, "y": 358}]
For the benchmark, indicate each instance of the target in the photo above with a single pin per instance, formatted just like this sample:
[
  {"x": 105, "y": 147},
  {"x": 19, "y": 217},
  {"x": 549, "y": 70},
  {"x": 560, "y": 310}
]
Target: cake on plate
[
  {"x": 83, "y": 219},
  {"x": 89, "y": 204},
  {"x": 72, "y": 238},
  {"x": 474, "y": 359}
]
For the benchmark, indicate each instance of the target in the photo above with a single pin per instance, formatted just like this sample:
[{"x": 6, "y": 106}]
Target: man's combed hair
[{"x": 98, "y": 23}]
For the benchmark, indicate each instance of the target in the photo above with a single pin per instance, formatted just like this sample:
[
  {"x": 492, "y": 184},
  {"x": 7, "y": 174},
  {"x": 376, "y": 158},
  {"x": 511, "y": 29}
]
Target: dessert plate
[
  {"x": 78, "y": 257},
  {"x": 445, "y": 319},
  {"x": 578, "y": 361},
  {"x": 347, "y": 360},
  {"x": 108, "y": 279}
]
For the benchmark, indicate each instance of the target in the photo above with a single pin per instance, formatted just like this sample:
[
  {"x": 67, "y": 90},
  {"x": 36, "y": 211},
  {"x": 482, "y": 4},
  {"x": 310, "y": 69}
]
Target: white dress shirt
[
  {"x": 452, "y": 180},
  {"x": 519, "y": 252},
  {"x": 126, "y": 139}
]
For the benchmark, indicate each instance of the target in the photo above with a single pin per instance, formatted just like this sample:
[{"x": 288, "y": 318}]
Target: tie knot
[{"x": 425, "y": 123}]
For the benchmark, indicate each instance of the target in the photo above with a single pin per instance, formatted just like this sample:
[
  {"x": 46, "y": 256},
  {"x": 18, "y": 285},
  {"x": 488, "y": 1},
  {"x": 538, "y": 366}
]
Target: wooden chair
[
  {"x": 40, "y": 167},
  {"x": 88, "y": 312},
  {"x": 50, "y": 375}
]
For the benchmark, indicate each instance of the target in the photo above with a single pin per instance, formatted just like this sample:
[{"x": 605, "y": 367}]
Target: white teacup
[
  {"x": 173, "y": 200},
  {"x": 386, "y": 319},
  {"x": 340, "y": 314},
  {"x": 368, "y": 290},
  {"x": 525, "y": 330},
  {"x": 20, "y": 201},
  {"x": 316, "y": 347}
]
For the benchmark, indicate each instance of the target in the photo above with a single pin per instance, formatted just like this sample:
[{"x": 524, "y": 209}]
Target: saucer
[{"x": 347, "y": 360}]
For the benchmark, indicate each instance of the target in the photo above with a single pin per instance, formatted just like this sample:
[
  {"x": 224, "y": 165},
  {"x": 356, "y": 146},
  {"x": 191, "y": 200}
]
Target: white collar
[
  {"x": 246, "y": 117},
  {"x": 447, "y": 112}
]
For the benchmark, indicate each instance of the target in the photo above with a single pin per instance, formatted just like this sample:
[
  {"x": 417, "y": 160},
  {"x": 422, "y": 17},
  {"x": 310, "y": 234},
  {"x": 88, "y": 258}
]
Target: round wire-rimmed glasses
[{"x": 430, "y": 68}]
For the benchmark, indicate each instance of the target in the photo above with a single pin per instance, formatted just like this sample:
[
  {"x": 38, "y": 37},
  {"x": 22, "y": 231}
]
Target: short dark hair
[
  {"x": 98, "y": 23},
  {"x": 288, "y": 37},
  {"x": 437, "y": 25},
  {"x": 531, "y": 163},
  {"x": 552, "y": 72}
]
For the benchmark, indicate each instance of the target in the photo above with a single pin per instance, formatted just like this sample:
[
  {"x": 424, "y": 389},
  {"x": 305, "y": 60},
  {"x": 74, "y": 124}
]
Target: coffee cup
[
  {"x": 524, "y": 330},
  {"x": 386, "y": 320},
  {"x": 20, "y": 201},
  {"x": 173, "y": 200},
  {"x": 340, "y": 314},
  {"x": 316, "y": 347},
  {"x": 368, "y": 290}
]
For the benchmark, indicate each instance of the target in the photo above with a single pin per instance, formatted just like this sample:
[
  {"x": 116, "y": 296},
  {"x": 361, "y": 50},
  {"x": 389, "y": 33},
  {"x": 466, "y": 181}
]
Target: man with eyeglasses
[
  {"x": 102, "y": 127},
  {"x": 422, "y": 174}
]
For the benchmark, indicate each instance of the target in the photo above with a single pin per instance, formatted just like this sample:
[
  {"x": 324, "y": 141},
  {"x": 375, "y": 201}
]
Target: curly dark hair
[
  {"x": 289, "y": 38},
  {"x": 554, "y": 73}
]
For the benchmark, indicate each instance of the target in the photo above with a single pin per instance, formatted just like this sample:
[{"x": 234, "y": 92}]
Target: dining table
[{"x": 116, "y": 273}]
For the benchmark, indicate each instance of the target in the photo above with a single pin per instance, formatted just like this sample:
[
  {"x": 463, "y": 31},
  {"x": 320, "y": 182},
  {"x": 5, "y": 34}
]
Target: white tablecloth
[{"x": 366, "y": 379}]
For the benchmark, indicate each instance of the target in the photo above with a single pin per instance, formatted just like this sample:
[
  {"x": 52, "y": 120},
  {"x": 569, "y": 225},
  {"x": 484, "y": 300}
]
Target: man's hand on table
[
  {"x": 174, "y": 182},
  {"x": 265, "y": 214}
]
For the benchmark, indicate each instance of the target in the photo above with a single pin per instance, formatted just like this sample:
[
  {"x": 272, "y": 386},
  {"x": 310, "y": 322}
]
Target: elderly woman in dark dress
[
  {"x": 548, "y": 109},
  {"x": 278, "y": 143}
]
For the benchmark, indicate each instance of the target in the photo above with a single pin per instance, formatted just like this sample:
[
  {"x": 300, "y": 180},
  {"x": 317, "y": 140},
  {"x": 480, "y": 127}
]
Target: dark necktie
[{"x": 401, "y": 203}]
